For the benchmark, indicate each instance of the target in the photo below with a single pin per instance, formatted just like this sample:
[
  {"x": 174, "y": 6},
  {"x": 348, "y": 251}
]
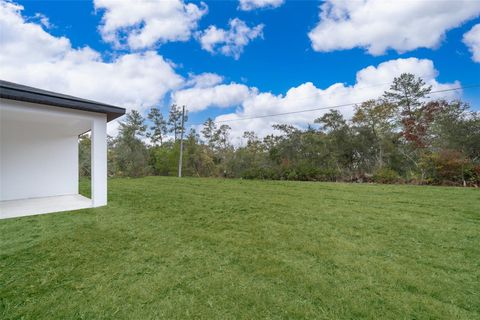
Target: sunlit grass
[{"x": 230, "y": 249}]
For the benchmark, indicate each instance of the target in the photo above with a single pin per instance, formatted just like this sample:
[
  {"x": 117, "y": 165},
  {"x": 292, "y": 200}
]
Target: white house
[{"x": 39, "y": 150}]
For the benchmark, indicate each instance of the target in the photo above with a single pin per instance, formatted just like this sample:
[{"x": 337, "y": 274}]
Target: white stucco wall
[
  {"x": 39, "y": 149},
  {"x": 33, "y": 154}
]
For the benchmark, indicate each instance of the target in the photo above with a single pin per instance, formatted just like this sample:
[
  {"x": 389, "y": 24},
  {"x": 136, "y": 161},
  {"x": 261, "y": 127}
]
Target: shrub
[
  {"x": 386, "y": 175},
  {"x": 447, "y": 167},
  {"x": 260, "y": 173}
]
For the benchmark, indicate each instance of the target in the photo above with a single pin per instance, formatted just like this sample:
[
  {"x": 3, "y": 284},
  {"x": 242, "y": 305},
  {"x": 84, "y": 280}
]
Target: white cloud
[
  {"x": 204, "y": 80},
  {"x": 144, "y": 23},
  {"x": 248, "y": 5},
  {"x": 379, "y": 25},
  {"x": 370, "y": 83},
  {"x": 19, "y": 39},
  {"x": 229, "y": 42},
  {"x": 31, "y": 56},
  {"x": 472, "y": 40},
  {"x": 43, "y": 20},
  {"x": 221, "y": 96}
]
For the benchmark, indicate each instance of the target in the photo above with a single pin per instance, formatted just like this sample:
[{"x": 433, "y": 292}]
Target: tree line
[{"x": 404, "y": 136}]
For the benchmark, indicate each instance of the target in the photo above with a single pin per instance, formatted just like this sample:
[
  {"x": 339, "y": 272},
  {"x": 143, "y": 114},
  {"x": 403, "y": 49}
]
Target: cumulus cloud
[
  {"x": 144, "y": 23},
  {"x": 220, "y": 96},
  {"x": 248, "y": 5},
  {"x": 204, "y": 80},
  {"x": 472, "y": 40},
  {"x": 137, "y": 80},
  {"x": 229, "y": 42},
  {"x": 370, "y": 83},
  {"x": 379, "y": 25}
]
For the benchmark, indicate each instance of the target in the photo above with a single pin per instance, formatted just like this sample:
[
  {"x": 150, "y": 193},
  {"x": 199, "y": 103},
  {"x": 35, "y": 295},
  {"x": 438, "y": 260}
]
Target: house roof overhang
[{"x": 18, "y": 92}]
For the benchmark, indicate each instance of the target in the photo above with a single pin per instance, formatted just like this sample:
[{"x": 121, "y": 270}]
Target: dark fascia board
[{"x": 14, "y": 91}]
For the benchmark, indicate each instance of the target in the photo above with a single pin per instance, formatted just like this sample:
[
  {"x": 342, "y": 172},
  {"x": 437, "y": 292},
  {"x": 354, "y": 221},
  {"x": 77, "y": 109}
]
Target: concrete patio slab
[{"x": 34, "y": 206}]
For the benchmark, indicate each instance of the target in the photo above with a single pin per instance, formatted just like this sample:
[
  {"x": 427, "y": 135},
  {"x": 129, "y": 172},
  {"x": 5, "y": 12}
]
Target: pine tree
[
  {"x": 407, "y": 92},
  {"x": 175, "y": 121},
  {"x": 158, "y": 129},
  {"x": 134, "y": 125},
  {"x": 208, "y": 131}
]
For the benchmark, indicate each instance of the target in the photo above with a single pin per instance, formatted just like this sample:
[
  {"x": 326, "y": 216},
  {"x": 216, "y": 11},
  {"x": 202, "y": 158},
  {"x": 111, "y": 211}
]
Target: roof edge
[{"x": 18, "y": 92}]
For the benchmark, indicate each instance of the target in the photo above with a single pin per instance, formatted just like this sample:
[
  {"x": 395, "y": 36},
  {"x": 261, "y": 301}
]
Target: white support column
[{"x": 99, "y": 161}]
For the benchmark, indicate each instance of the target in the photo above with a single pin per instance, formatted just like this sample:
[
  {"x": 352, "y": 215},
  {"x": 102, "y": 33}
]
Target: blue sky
[{"x": 281, "y": 58}]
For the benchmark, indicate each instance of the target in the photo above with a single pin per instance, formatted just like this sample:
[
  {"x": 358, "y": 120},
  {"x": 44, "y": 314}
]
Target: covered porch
[{"x": 39, "y": 157}]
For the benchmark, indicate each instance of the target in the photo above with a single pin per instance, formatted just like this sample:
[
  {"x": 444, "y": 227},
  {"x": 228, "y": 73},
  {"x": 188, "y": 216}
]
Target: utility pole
[{"x": 180, "y": 160}]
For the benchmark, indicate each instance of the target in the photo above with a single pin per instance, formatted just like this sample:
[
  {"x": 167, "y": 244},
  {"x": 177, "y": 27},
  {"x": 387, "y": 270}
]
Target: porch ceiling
[{"x": 63, "y": 123}]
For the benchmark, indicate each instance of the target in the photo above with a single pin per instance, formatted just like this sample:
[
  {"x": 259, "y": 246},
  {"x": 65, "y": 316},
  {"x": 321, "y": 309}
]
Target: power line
[
  {"x": 328, "y": 108},
  {"x": 375, "y": 85}
]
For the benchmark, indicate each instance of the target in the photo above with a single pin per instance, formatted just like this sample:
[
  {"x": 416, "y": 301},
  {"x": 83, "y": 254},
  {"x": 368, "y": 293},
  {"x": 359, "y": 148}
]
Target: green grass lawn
[{"x": 233, "y": 249}]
